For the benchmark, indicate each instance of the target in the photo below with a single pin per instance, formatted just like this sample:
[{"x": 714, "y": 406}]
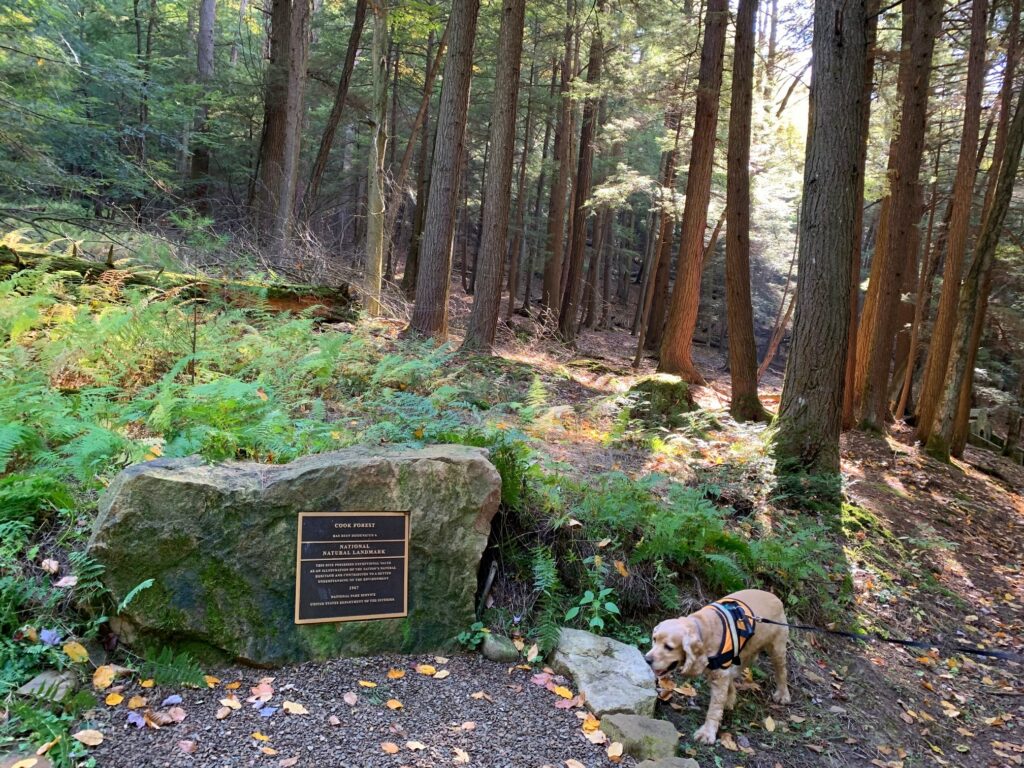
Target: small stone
[
  {"x": 499, "y": 648},
  {"x": 613, "y": 676},
  {"x": 50, "y": 685},
  {"x": 642, "y": 737},
  {"x": 670, "y": 762}
]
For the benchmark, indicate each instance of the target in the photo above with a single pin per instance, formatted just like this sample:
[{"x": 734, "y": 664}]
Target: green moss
[{"x": 661, "y": 400}]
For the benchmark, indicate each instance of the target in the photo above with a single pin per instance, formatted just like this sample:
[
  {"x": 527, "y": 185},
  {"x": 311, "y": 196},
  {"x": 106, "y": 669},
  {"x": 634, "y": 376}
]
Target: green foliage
[
  {"x": 472, "y": 637},
  {"x": 169, "y": 667}
]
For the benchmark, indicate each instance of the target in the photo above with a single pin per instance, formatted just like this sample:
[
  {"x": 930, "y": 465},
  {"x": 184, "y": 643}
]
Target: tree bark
[
  {"x": 809, "y": 421},
  {"x": 200, "y": 170},
  {"x": 483, "y": 319},
  {"x": 378, "y": 147},
  {"x": 274, "y": 191},
  {"x": 534, "y": 246},
  {"x": 682, "y": 318},
  {"x": 940, "y": 435},
  {"x": 849, "y": 389},
  {"x": 430, "y": 312},
  {"x": 898, "y": 251},
  {"x": 552, "y": 291},
  {"x": 938, "y": 358},
  {"x": 567, "y": 321},
  {"x": 743, "y": 404},
  {"x": 518, "y": 246},
  {"x": 334, "y": 119}
]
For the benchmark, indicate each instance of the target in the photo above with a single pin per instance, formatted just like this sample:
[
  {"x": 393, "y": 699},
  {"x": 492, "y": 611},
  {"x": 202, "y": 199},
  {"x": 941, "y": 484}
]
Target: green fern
[{"x": 169, "y": 667}]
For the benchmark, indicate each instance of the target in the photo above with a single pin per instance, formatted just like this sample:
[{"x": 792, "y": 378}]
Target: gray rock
[
  {"x": 220, "y": 543},
  {"x": 613, "y": 675},
  {"x": 499, "y": 648},
  {"x": 642, "y": 737},
  {"x": 670, "y": 762},
  {"x": 50, "y": 685}
]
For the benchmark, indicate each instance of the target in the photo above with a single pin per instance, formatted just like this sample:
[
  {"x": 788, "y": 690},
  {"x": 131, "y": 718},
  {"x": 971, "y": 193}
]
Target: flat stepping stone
[
  {"x": 670, "y": 762},
  {"x": 642, "y": 737},
  {"x": 50, "y": 685},
  {"x": 613, "y": 676}
]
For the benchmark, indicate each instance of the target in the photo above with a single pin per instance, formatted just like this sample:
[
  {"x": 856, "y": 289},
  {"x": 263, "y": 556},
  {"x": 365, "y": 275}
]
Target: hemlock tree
[
  {"x": 204, "y": 70},
  {"x": 273, "y": 194},
  {"x": 483, "y": 320},
  {"x": 682, "y": 316},
  {"x": 807, "y": 437},
  {"x": 937, "y": 360},
  {"x": 744, "y": 404},
  {"x": 430, "y": 313},
  {"x": 375, "y": 175},
  {"x": 940, "y": 435}
]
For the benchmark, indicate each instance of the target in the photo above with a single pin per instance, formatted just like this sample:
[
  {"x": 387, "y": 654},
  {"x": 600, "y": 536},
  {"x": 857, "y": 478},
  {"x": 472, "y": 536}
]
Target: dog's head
[{"x": 677, "y": 644}]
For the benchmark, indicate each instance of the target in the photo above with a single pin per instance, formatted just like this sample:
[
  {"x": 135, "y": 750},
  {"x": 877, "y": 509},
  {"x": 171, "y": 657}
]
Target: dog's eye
[{"x": 668, "y": 647}]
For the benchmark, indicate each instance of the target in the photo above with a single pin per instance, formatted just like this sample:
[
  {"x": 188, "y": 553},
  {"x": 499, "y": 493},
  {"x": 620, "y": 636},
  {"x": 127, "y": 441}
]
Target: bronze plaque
[{"x": 352, "y": 566}]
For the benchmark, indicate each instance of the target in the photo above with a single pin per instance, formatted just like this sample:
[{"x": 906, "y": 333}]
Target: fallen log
[{"x": 332, "y": 303}]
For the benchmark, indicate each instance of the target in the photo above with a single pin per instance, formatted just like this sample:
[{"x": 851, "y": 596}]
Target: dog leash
[{"x": 865, "y": 637}]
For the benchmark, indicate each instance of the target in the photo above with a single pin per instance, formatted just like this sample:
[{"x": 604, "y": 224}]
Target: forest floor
[
  {"x": 934, "y": 551},
  {"x": 922, "y": 550}
]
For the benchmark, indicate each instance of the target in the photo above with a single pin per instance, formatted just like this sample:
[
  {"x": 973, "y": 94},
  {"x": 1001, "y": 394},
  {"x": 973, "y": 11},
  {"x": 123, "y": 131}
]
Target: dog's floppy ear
[{"x": 696, "y": 659}]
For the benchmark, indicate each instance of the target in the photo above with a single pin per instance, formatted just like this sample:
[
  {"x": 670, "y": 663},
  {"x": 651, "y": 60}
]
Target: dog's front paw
[
  {"x": 706, "y": 734},
  {"x": 781, "y": 696}
]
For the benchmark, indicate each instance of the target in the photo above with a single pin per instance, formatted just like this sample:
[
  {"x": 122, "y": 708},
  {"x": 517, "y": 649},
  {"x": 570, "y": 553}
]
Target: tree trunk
[
  {"x": 552, "y": 292},
  {"x": 682, "y": 318},
  {"x": 654, "y": 322},
  {"x": 961, "y": 426},
  {"x": 274, "y": 192},
  {"x": 849, "y": 390},
  {"x": 378, "y": 146},
  {"x": 483, "y": 319},
  {"x": 898, "y": 251},
  {"x": 940, "y": 435},
  {"x": 419, "y": 124},
  {"x": 744, "y": 404},
  {"x": 539, "y": 195},
  {"x": 334, "y": 119},
  {"x": 567, "y": 321},
  {"x": 809, "y": 421},
  {"x": 430, "y": 313},
  {"x": 938, "y": 357},
  {"x": 204, "y": 70},
  {"x": 522, "y": 194}
]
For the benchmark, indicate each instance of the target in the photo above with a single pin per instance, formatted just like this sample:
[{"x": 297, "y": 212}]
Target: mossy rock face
[
  {"x": 661, "y": 401},
  {"x": 220, "y": 543}
]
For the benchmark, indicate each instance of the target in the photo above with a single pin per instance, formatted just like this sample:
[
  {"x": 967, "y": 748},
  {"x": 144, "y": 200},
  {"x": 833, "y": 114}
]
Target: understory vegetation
[{"x": 95, "y": 377}]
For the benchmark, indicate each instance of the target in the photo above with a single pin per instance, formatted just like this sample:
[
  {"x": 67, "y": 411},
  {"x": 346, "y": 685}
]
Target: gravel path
[{"x": 510, "y": 723}]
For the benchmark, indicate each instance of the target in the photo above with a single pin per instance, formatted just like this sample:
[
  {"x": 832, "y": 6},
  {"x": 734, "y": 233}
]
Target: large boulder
[
  {"x": 613, "y": 676},
  {"x": 220, "y": 543}
]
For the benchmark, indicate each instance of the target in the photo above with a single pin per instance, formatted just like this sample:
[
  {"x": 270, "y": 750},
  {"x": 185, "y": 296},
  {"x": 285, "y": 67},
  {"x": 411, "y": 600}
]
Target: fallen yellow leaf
[
  {"x": 396, "y": 674},
  {"x": 76, "y": 652},
  {"x": 442, "y": 674},
  {"x": 393, "y": 704},
  {"x": 211, "y": 681},
  {"x": 415, "y": 746},
  {"x": 621, "y": 568},
  {"x": 461, "y": 756},
  {"x": 367, "y": 684},
  {"x": 268, "y": 751},
  {"x": 614, "y": 751},
  {"x": 590, "y": 723},
  {"x": 426, "y": 669},
  {"x": 769, "y": 724},
  {"x": 89, "y": 737},
  {"x": 562, "y": 691},
  {"x": 294, "y": 709},
  {"x": 390, "y": 747},
  {"x": 48, "y": 746},
  {"x": 231, "y": 702},
  {"x": 234, "y": 686},
  {"x": 146, "y": 684},
  {"x": 103, "y": 677},
  {"x": 136, "y": 702},
  {"x": 113, "y": 699},
  {"x": 28, "y": 762},
  {"x": 259, "y": 736}
]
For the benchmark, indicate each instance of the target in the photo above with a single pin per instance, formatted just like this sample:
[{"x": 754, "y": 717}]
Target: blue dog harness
[{"x": 738, "y": 625}]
